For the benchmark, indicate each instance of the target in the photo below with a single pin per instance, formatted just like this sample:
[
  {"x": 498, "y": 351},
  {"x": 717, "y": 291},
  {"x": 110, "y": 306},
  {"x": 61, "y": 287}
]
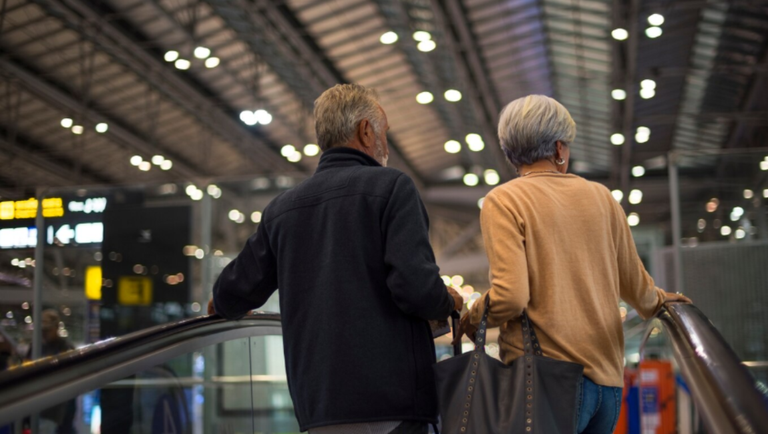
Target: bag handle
[
  {"x": 480, "y": 335},
  {"x": 530, "y": 340}
]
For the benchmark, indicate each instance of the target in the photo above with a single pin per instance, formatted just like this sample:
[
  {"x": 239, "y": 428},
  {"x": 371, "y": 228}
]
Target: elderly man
[{"x": 350, "y": 252}]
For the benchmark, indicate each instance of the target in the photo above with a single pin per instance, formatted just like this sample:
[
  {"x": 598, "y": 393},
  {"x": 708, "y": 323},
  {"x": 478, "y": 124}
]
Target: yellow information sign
[
  {"x": 134, "y": 290},
  {"x": 27, "y": 209},
  {"x": 93, "y": 282}
]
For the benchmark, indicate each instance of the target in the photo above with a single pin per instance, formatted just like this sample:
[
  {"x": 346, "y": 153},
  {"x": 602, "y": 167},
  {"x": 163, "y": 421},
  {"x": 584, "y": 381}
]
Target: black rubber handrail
[
  {"x": 37, "y": 385},
  {"x": 723, "y": 390}
]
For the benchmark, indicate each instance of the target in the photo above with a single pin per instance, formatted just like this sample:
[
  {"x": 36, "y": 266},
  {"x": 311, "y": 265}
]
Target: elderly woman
[{"x": 559, "y": 246}]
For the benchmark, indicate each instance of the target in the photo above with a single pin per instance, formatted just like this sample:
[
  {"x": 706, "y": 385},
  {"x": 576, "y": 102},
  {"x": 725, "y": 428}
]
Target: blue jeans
[{"x": 599, "y": 408}]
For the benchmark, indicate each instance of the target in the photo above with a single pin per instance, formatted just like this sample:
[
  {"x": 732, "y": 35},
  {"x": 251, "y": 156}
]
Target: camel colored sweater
[{"x": 560, "y": 247}]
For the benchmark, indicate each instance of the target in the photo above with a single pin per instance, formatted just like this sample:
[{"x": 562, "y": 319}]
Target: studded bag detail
[{"x": 480, "y": 395}]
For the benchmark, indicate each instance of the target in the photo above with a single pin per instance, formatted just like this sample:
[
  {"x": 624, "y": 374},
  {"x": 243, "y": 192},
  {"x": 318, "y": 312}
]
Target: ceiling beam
[
  {"x": 120, "y": 134},
  {"x": 480, "y": 89},
  {"x": 273, "y": 32},
  {"x": 87, "y": 18}
]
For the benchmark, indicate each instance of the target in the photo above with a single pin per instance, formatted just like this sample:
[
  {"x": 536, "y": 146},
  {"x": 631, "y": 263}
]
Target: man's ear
[{"x": 364, "y": 135}]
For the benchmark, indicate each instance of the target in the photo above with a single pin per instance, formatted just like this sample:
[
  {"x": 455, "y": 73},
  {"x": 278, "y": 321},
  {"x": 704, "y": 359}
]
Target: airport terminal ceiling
[{"x": 91, "y": 91}]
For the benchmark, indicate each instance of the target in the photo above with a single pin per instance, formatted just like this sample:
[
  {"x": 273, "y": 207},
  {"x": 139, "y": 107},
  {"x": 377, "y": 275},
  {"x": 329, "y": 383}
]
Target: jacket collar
[{"x": 344, "y": 157}]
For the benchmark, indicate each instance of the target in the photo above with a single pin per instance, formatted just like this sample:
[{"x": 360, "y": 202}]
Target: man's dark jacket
[{"x": 349, "y": 250}]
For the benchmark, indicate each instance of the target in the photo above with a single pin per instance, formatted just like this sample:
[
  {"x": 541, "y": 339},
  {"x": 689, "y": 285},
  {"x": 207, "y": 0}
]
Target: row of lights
[
  {"x": 424, "y": 39},
  {"x": 68, "y": 123},
  {"x": 450, "y": 95},
  {"x": 647, "y": 91},
  {"x": 764, "y": 164},
  {"x": 642, "y": 135},
  {"x": 238, "y": 217},
  {"x": 158, "y": 160},
  {"x": 23, "y": 263},
  {"x": 634, "y": 198},
  {"x": 254, "y": 117},
  {"x": 195, "y": 193},
  {"x": 294, "y": 155},
  {"x": 653, "y": 31},
  {"x": 490, "y": 176},
  {"x": 474, "y": 142},
  {"x": 202, "y": 53}
]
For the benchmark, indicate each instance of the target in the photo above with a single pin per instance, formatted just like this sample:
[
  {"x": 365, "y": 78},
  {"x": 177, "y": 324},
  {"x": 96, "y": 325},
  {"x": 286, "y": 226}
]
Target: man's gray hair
[
  {"x": 529, "y": 128},
  {"x": 340, "y": 109}
]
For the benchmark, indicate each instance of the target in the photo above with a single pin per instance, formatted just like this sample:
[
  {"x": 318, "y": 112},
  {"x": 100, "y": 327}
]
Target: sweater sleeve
[
  {"x": 412, "y": 274},
  {"x": 636, "y": 286},
  {"x": 503, "y": 235},
  {"x": 249, "y": 280}
]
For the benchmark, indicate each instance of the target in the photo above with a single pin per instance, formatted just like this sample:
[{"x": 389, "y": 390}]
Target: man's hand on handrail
[{"x": 676, "y": 296}]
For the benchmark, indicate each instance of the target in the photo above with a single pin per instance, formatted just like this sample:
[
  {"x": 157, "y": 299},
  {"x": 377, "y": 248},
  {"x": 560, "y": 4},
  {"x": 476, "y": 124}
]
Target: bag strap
[
  {"x": 480, "y": 335},
  {"x": 530, "y": 341}
]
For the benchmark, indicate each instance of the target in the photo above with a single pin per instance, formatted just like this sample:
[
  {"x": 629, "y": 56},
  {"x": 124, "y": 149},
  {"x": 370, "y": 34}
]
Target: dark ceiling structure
[{"x": 85, "y": 85}]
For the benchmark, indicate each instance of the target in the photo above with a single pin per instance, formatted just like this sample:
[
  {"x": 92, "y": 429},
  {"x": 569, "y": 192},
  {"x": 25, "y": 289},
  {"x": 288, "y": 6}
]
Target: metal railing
[
  {"x": 723, "y": 390},
  {"x": 33, "y": 387}
]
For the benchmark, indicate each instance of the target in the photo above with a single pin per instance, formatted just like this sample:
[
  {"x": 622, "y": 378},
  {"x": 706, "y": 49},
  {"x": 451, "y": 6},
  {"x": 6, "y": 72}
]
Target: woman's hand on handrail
[{"x": 676, "y": 296}]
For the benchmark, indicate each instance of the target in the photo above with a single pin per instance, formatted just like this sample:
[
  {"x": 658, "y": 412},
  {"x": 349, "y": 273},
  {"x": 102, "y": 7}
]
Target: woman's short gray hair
[
  {"x": 529, "y": 128},
  {"x": 340, "y": 109}
]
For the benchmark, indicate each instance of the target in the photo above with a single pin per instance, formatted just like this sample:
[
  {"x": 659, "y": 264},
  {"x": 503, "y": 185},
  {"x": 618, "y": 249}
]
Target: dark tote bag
[{"x": 480, "y": 395}]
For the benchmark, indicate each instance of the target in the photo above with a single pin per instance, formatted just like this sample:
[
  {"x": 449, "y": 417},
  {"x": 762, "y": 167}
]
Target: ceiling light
[
  {"x": 67, "y": 123},
  {"x": 452, "y": 147},
  {"x": 633, "y": 219},
  {"x": 182, "y": 64},
  {"x": 191, "y": 188},
  {"x": 77, "y": 129},
  {"x": 248, "y": 117},
  {"x": 647, "y": 93},
  {"x": 725, "y": 231},
  {"x": 764, "y": 165},
  {"x": 635, "y": 197},
  {"x": 287, "y": 150},
  {"x": 740, "y": 233},
  {"x": 256, "y": 216},
  {"x": 388, "y": 38},
  {"x": 136, "y": 160},
  {"x": 234, "y": 215},
  {"x": 648, "y": 83},
  {"x": 643, "y": 134},
  {"x": 421, "y": 36},
  {"x": 491, "y": 177},
  {"x": 295, "y": 157},
  {"x": 202, "y": 52},
  {"x": 617, "y": 139},
  {"x": 262, "y": 116},
  {"x": 748, "y": 194},
  {"x": 656, "y": 20},
  {"x": 619, "y": 94},
  {"x": 426, "y": 46},
  {"x": 424, "y": 97},
  {"x": 311, "y": 150},
  {"x": 618, "y": 195},
  {"x": 738, "y": 211},
  {"x": 196, "y": 195},
  {"x": 452, "y": 95},
  {"x": 166, "y": 165},
  {"x": 171, "y": 56},
  {"x": 214, "y": 191},
  {"x": 765, "y": 193},
  {"x": 475, "y": 142},
  {"x": 480, "y": 202},
  {"x": 638, "y": 171},
  {"x": 645, "y": 131},
  {"x": 157, "y": 160},
  {"x": 712, "y": 205},
  {"x": 471, "y": 180},
  {"x": 653, "y": 32},
  {"x": 212, "y": 62},
  {"x": 701, "y": 225},
  {"x": 619, "y": 34},
  {"x": 102, "y": 127},
  {"x": 145, "y": 166}
]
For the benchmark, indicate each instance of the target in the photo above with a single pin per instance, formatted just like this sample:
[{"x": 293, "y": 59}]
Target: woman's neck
[{"x": 539, "y": 166}]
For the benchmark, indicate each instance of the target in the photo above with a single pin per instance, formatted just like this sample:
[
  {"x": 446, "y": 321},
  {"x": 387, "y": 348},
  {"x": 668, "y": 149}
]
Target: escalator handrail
[
  {"x": 723, "y": 389},
  {"x": 36, "y": 385}
]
